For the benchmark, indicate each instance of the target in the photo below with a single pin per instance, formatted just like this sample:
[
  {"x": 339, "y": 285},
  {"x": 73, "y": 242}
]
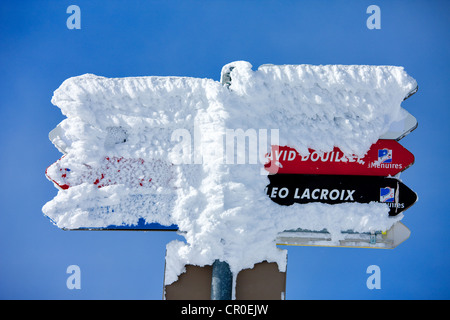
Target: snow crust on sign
[{"x": 221, "y": 208}]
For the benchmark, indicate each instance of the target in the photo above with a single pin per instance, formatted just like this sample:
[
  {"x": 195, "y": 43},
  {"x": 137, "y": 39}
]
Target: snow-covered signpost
[{"x": 188, "y": 154}]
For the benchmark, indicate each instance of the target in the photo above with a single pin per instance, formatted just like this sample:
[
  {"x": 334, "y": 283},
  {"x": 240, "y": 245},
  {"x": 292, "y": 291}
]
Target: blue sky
[{"x": 196, "y": 38}]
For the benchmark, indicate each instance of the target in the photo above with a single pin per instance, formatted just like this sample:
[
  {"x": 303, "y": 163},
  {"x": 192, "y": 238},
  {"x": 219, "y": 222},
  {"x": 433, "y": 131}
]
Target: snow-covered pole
[
  {"x": 222, "y": 281},
  {"x": 222, "y": 278}
]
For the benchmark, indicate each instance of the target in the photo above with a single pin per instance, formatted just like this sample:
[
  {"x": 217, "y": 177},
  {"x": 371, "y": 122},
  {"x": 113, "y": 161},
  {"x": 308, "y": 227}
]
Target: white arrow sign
[
  {"x": 397, "y": 234},
  {"x": 399, "y": 129}
]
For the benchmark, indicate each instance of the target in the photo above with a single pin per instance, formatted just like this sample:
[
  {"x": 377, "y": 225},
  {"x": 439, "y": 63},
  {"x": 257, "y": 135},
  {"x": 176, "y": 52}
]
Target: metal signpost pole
[{"x": 222, "y": 281}]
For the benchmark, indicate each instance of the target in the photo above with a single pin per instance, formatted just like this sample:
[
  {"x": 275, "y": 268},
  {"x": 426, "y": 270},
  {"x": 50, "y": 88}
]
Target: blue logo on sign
[
  {"x": 387, "y": 194},
  {"x": 385, "y": 156}
]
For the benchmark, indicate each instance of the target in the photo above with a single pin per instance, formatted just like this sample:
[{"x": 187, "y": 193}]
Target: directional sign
[
  {"x": 407, "y": 123},
  {"x": 55, "y": 137},
  {"x": 61, "y": 141},
  {"x": 112, "y": 170},
  {"x": 134, "y": 173},
  {"x": 287, "y": 189},
  {"x": 384, "y": 158},
  {"x": 390, "y": 239},
  {"x": 399, "y": 129},
  {"x": 413, "y": 91},
  {"x": 142, "y": 225}
]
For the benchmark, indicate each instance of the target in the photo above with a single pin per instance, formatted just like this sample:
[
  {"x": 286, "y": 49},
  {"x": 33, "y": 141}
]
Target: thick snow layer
[
  {"x": 218, "y": 203},
  {"x": 321, "y": 106}
]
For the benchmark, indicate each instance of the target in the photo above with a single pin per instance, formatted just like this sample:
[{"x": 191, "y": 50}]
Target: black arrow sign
[{"x": 287, "y": 189}]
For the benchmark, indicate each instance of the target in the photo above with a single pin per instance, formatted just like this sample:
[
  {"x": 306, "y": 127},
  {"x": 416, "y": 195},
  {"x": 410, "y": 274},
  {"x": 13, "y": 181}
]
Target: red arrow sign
[
  {"x": 384, "y": 158},
  {"x": 112, "y": 170}
]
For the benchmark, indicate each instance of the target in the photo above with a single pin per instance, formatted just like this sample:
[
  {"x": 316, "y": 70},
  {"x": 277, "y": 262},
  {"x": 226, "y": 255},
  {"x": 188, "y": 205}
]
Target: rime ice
[{"x": 221, "y": 207}]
